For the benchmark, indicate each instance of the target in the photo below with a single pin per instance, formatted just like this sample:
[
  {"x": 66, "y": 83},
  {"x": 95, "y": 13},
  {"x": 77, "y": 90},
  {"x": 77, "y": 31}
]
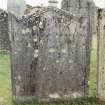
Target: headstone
[
  {"x": 101, "y": 54},
  {"x": 50, "y": 50},
  {"x": 4, "y": 36},
  {"x": 86, "y": 9},
  {"x": 79, "y": 6},
  {"x": 16, "y": 7},
  {"x": 53, "y": 3}
]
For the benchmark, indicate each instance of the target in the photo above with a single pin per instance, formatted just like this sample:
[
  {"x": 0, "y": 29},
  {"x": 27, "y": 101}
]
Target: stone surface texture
[
  {"x": 101, "y": 54},
  {"x": 4, "y": 36},
  {"x": 50, "y": 54},
  {"x": 87, "y": 11}
]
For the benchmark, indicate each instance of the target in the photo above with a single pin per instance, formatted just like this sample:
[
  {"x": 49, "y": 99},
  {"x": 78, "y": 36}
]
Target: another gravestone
[
  {"x": 4, "y": 36},
  {"x": 101, "y": 54},
  {"x": 86, "y": 9}
]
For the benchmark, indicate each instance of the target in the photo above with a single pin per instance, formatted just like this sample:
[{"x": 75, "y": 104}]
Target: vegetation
[
  {"x": 93, "y": 68},
  {"x": 5, "y": 87}
]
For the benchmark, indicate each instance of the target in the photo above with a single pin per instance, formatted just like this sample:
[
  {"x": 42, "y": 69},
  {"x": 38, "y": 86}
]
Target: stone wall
[
  {"x": 101, "y": 54},
  {"x": 4, "y": 37}
]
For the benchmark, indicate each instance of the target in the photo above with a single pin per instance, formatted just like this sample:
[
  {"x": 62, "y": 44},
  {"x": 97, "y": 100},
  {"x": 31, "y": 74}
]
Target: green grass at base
[
  {"x": 93, "y": 68},
  {"x": 5, "y": 87}
]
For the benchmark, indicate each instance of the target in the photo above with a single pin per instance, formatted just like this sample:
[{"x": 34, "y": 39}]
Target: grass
[
  {"x": 93, "y": 67},
  {"x": 5, "y": 87}
]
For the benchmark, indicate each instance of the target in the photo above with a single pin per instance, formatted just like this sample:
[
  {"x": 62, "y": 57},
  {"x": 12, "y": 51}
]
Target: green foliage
[
  {"x": 83, "y": 101},
  {"x": 5, "y": 88},
  {"x": 93, "y": 67}
]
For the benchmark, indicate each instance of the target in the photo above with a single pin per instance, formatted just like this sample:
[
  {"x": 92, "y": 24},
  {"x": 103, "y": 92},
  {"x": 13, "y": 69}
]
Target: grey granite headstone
[
  {"x": 101, "y": 55},
  {"x": 4, "y": 36},
  {"x": 86, "y": 9},
  {"x": 50, "y": 55}
]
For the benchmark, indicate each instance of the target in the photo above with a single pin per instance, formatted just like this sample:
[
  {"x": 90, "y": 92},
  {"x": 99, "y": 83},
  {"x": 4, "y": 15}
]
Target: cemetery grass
[{"x": 5, "y": 83}]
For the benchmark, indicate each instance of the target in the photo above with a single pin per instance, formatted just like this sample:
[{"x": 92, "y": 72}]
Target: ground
[
  {"x": 93, "y": 68},
  {"x": 5, "y": 83}
]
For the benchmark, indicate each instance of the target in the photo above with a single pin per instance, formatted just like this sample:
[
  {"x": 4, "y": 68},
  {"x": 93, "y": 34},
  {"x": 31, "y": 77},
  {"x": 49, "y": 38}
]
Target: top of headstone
[
  {"x": 53, "y": 3},
  {"x": 78, "y": 6}
]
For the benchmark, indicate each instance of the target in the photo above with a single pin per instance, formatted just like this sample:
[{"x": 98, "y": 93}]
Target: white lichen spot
[
  {"x": 51, "y": 50},
  {"x": 76, "y": 95},
  {"x": 5, "y": 15},
  {"x": 35, "y": 39},
  {"x": 36, "y": 53},
  {"x": 23, "y": 31},
  {"x": 62, "y": 20},
  {"x": 41, "y": 25},
  {"x": 44, "y": 69},
  {"x": 28, "y": 30},
  {"x": 19, "y": 77},
  {"x": 34, "y": 28},
  {"x": 41, "y": 42},
  {"x": 57, "y": 61},
  {"x": 63, "y": 50},
  {"x": 15, "y": 52},
  {"x": 29, "y": 45},
  {"x": 17, "y": 89},
  {"x": 66, "y": 96},
  {"x": 70, "y": 61},
  {"x": 72, "y": 28},
  {"x": 57, "y": 36},
  {"x": 54, "y": 95}
]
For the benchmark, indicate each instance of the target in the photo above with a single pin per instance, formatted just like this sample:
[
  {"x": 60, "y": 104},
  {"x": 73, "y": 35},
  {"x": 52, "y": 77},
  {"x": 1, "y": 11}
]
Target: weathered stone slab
[
  {"x": 50, "y": 50},
  {"x": 86, "y": 9},
  {"x": 101, "y": 54},
  {"x": 4, "y": 36}
]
